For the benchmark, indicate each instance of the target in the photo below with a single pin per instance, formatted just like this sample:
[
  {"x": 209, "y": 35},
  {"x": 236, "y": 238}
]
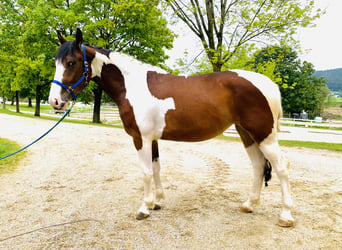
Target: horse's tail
[{"x": 267, "y": 172}]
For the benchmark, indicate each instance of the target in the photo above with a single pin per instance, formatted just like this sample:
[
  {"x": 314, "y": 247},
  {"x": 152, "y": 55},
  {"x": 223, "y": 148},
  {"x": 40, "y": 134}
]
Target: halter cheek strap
[{"x": 71, "y": 89}]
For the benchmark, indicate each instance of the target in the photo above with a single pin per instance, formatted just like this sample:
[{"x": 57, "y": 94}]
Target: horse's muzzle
[{"x": 58, "y": 104}]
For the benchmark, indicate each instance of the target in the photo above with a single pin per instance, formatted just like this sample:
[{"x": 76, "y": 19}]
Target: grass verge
[
  {"x": 7, "y": 147},
  {"x": 311, "y": 144}
]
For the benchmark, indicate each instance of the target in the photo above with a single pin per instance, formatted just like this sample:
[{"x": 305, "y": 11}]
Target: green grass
[
  {"x": 333, "y": 101},
  {"x": 7, "y": 147},
  {"x": 314, "y": 145}
]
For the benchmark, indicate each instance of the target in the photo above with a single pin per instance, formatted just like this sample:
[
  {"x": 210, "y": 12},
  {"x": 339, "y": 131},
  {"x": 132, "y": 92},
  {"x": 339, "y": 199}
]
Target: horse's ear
[
  {"x": 79, "y": 38},
  {"x": 60, "y": 37}
]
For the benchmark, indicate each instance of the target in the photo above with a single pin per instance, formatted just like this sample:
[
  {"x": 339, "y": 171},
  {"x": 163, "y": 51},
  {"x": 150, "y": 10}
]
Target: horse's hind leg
[
  {"x": 258, "y": 162},
  {"x": 272, "y": 152},
  {"x": 159, "y": 193}
]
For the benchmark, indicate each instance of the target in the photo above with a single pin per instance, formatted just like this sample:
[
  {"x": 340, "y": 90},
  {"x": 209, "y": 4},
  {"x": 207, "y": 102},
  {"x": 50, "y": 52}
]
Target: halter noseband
[{"x": 71, "y": 89}]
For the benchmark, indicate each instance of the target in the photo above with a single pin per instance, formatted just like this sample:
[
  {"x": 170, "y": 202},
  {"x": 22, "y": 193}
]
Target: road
[
  {"x": 81, "y": 186},
  {"x": 303, "y": 134}
]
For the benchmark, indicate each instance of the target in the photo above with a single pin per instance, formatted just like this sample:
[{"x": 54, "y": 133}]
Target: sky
[
  {"x": 321, "y": 45},
  {"x": 324, "y": 41}
]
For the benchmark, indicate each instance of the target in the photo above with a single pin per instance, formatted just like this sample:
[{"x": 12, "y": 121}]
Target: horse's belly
[{"x": 193, "y": 128}]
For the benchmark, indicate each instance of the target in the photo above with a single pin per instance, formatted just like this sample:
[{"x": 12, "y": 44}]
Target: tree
[
  {"x": 227, "y": 28},
  {"x": 135, "y": 27},
  {"x": 8, "y": 42},
  {"x": 300, "y": 88},
  {"x": 24, "y": 41}
]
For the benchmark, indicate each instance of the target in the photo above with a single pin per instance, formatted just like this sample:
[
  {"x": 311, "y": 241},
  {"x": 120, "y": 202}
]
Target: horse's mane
[
  {"x": 69, "y": 47},
  {"x": 101, "y": 50},
  {"x": 65, "y": 49}
]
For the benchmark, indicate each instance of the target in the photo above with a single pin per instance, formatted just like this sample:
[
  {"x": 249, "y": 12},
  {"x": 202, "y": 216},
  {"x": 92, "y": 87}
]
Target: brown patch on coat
[
  {"x": 208, "y": 104},
  {"x": 116, "y": 90}
]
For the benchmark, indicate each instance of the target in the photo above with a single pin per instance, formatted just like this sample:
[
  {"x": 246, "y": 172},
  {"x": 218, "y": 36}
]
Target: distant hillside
[{"x": 334, "y": 78}]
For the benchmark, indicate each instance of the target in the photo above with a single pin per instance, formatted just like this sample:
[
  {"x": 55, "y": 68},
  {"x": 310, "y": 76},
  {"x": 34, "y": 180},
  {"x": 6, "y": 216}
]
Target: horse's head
[{"x": 71, "y": 72}]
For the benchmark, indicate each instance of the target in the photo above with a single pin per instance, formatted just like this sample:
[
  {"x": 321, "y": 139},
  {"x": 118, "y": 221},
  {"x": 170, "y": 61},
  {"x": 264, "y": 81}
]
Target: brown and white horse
[{"x": 155, "y": 105}]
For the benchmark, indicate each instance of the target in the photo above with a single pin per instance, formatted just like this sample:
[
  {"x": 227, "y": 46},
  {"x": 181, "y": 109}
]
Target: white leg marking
[
  {"x": 145, "y": 157},
  {"x": 272, "y": 152},
  {"x": 258, "y": 163},
  {"x": 159, "y": 193}
]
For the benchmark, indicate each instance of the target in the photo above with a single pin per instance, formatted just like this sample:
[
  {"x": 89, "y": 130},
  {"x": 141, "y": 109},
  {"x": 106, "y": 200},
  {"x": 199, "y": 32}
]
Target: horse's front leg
[{"x": 145, "y": 158}]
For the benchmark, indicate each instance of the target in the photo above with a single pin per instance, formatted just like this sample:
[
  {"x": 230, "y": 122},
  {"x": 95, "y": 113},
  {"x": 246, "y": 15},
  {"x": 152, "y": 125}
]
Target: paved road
[{"x": 303, "y": 134}]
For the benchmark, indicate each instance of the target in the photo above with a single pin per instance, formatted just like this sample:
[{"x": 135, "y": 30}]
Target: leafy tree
[
  {"x": 25, "y": 43},
  {"x": 300, "y": 89},
  {"x": 8, "y": 41},
  {"x": 135, "y": 27},
  {"x": 228, "y": 28}
]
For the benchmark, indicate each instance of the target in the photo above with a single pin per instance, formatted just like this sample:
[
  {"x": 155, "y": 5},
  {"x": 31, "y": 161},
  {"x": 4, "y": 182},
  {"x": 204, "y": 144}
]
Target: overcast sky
[
  {"x": 321, "y": 45},
  {"x": 324, "y": 41}
]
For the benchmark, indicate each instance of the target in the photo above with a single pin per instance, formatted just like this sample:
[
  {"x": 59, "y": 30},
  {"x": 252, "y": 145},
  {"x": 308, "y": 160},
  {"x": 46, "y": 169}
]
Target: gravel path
[{"x": 81, "y": 185}]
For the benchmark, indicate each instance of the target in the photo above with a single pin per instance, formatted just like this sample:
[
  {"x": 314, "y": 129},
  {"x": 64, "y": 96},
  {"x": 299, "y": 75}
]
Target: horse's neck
[
  {"x": 133, "y": 74},
  {"x": 124, "y": 77},
  {"x": 113, "y": 79}
]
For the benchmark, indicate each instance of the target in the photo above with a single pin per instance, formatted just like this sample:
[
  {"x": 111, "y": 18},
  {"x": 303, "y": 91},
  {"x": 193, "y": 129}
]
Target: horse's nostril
[
  {"x": 56, "y": 102},
  {"x": 62, "y": 104}
]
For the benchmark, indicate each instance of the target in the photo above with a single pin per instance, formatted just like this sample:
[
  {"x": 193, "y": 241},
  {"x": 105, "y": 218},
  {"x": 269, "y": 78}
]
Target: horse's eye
[{"x": 71, "y": 63}]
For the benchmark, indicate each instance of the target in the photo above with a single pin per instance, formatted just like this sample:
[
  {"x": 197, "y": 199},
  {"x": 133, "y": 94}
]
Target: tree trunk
[
  {"x": 97, "y": 104},
  {"x": 217, "y": 67},
  {"x": 30, "y": 102},
  {"x": 17, "y": 101},
  {"x": 4, "y": 101},
  {"x": 37, "y": 109}
]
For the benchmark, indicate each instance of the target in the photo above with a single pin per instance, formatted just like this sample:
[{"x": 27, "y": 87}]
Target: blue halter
[{"x": 71, "y": 89}]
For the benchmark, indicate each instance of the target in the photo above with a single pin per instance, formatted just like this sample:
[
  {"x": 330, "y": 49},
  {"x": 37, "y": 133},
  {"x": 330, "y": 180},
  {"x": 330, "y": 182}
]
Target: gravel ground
[{"x": 81, "y": 185}]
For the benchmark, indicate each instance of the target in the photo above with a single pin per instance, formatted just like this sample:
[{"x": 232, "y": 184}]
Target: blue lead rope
[{"x": 23, "y": 148}]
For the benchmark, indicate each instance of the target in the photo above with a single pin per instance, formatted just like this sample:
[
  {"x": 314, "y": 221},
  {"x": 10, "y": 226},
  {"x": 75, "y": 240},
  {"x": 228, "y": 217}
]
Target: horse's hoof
[
  {"x": 283, "y": 222},
  {"x": 157, "y": 207},
  {"x": 246, "y": 209},
  {"x": 141, "y": 216}
]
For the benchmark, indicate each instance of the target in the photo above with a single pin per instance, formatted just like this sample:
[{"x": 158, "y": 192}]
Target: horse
[{"x": 154, "y": 105}]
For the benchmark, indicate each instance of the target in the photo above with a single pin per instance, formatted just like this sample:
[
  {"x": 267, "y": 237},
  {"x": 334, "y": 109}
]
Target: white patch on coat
[
  {"x": 97, "y": 64},
  {"x": 56, "y": 90},
  {"x": 148, "y": 110},
  {"x": 269, "y": 89}
]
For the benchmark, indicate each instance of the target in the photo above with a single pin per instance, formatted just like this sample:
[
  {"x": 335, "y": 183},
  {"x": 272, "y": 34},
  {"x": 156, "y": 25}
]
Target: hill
[{"x": 333, "y": 76}]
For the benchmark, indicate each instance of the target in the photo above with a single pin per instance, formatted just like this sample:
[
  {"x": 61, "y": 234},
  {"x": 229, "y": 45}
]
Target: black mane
[
  {"x": 65, "y": 49},
  {"x": 68, "y": 48},
  {"x": 101, "y": 50}
]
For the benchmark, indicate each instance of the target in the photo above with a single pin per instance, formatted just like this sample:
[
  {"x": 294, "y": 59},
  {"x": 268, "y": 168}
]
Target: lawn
[{"x": 8, "y": 147}]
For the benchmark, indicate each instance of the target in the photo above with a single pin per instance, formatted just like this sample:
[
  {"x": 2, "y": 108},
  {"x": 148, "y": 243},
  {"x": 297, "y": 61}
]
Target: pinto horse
[{"x": 156, "y": 105}]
